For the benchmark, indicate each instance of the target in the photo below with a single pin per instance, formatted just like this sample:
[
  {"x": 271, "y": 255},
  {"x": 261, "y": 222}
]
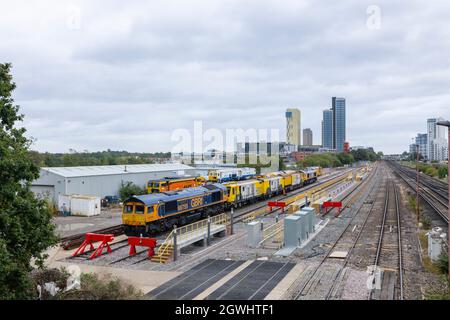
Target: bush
[
  {"x": 426, "y": 222},
  {"x": 442, "y": 172},
  {"x": 442, "y": 262},
  {"x": 130, "y": 189},
  {"x": 42, "y": 276},
  {"x": 412, "y": 201},
  {"x": 105, "y": 288},
  {"x": 431, "y": 171}
]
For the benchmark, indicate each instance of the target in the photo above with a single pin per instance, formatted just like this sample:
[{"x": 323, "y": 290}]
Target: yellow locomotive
[
  {"x": 268, "y": 185},
  {"x": 174, "y": 183},
  {"x": 156, "y": 212}
]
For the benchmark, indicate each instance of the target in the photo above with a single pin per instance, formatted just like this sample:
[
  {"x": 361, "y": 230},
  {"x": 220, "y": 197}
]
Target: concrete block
[{"x": 254, "y": 234}]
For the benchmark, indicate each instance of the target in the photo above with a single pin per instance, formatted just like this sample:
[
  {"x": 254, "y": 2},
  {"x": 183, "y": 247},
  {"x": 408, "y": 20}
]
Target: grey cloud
[{"x": 134, "y": 73}]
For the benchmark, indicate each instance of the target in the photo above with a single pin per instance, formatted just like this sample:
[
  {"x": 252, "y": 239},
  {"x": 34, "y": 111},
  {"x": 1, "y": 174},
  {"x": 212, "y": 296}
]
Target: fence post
[
  {"x": 208, "y": 236},
  {"x": 231, "y": 221},
  {"x": 175, "y": 243}
]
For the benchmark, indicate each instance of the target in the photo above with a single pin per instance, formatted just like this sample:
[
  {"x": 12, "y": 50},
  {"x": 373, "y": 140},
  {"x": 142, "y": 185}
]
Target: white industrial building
[
  {"x": 101, "y": 181},
  {"x": 437, "y": 140}
]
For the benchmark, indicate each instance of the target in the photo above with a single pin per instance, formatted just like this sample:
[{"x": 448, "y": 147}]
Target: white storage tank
[{"x": 85, "y": 205}]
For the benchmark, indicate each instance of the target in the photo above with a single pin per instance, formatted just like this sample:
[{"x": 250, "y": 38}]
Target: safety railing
[
  {"x": 275, "y": 232},
  {"x": 165, "y": 246},
  {"x": 254, "y": 214},
  {"x": 187, "y": 230},
  {"x": 200, "y": 226}
]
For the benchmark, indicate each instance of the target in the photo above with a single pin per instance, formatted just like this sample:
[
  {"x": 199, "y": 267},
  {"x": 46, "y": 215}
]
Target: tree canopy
[
  {"x": 26, "y": 229},
  {"x": 330, "y": 160},
  {"x": 86, "y": 158}
]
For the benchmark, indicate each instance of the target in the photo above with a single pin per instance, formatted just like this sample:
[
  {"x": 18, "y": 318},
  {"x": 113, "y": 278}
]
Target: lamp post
[
  {"x": 417, "y": 182},
  {"x": 447, "y": 124}
]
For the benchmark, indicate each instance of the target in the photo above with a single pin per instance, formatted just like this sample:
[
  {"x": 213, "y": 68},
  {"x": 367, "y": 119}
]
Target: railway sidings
[{"x": 368, "y": 250}]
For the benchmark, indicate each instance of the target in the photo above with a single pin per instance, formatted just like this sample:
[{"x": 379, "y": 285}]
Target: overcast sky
[{"x": 93, "y": 75}]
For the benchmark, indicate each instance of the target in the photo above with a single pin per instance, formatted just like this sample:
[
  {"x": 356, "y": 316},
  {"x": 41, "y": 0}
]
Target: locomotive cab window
[
  {"x": 128, "y": 209},
  {"x": 216, "y": 196},
  {"x": 139, "y": 209}
]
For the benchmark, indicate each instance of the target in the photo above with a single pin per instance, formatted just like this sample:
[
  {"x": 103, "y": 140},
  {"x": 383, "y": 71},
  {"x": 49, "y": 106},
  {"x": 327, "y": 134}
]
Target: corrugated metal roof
[{"x": 71, "y": 172}]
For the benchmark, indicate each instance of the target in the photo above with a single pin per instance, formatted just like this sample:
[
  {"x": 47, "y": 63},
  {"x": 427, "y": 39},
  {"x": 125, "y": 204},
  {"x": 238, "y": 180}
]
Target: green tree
[
  {"x": 129, "y": 189},
  {"x": 346, "y": 158},
  {"x": 26, "y": 227},
  {"x": 442, "y": 172}
]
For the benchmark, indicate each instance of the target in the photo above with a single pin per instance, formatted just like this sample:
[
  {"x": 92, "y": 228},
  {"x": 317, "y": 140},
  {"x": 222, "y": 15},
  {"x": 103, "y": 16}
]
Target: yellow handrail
[
  {"x": 164, "y": 247},
  {"x": 272, "y": 230},
  {"x": 186, "y": 230}
]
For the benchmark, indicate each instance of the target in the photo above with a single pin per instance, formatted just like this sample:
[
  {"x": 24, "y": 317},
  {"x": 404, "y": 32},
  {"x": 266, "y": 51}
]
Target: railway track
[
  {"x": 133, "y": 257},
  {"x": 430, "y": 190},
  {"x": 74, "y": 241},
  {"x": 324, "y": 281},
  {"x": 241, "y": 217},
  {"x": 389, "y": 254},
  {"x": 313, "y": 281},
  {"x": 114, "y": 247}
]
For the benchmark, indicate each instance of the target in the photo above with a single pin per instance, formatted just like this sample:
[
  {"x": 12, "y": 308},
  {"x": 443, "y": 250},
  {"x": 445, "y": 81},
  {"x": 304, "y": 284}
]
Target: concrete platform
[
  {"x": 194, "y": 281},
  {"x": 226, "y": 279},
  {"x": 281, "y": 288},
  {"x": 199, "y": 235},
  {"x": 253, "y": 283}
]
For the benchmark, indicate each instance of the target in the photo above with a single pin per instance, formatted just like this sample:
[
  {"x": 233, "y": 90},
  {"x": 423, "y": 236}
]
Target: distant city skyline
[
  {"x": 327, "y": 129},
  {"x": 307, "y": 137},
  {"x": 294, "y": 126},
  {"x": 334, "y": 125},
  {"x": 338, "y": 107},
  {"x": 433, "y": 144}
]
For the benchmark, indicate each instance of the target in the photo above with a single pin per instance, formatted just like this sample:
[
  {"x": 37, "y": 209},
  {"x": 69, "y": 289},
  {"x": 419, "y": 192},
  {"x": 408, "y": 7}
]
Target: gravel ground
[{"x": 355, "y": 287}]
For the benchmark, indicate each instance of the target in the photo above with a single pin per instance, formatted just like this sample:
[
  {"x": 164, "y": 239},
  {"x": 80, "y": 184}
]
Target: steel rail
[
  {"x": 347, "y": 258},
  {"x": 400, "y": 247},
  {"x": 300, "y": 292},
  {"x": 425, "y": 195}
]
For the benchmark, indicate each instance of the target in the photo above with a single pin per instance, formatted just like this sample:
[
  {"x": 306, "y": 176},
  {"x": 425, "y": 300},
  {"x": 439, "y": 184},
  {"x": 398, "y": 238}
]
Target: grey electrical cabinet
[
  {"x": 253, "y": 234},
  {"x": 311, "y": 213},
  {"x": 292, "y": 227}
]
